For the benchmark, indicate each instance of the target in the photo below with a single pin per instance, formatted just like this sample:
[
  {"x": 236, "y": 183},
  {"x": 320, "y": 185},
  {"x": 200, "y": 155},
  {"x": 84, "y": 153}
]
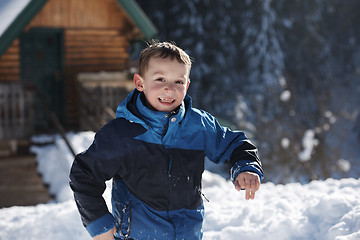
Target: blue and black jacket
[{"x": 156, "y": 160}]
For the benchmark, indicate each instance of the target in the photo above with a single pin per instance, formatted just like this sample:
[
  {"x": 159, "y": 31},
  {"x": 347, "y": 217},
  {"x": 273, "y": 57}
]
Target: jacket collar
[{"x": 133, "y": 109}]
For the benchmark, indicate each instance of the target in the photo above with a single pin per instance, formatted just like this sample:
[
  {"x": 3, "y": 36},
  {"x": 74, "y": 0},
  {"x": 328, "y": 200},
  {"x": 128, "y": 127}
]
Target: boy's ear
[
  {"x": 139, "y": 82},
  {"x": 188, "y": 84}
]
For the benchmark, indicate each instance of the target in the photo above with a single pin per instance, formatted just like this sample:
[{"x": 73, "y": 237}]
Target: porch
[
  {"x": 16, "y": 111},
  {"x": 20, "y": 182},
  {"x": 98, "y": 97}
]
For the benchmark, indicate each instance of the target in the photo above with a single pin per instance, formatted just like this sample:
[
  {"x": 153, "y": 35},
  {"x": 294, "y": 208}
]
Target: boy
[{"x": 154, "y": 151}]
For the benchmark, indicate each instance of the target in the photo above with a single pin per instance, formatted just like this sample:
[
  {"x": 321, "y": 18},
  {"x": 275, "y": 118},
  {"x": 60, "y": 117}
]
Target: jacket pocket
[{"x": 124, "y": 223}]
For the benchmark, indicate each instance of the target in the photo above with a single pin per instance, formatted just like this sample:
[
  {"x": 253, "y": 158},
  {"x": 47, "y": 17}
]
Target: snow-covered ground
[{"x": 319, "y": 210}]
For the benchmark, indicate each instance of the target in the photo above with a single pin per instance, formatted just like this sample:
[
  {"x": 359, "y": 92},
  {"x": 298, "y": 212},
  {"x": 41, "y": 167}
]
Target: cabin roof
[
  {"x": 16, "y": 14},
  {"x": 141, "y": 20}
]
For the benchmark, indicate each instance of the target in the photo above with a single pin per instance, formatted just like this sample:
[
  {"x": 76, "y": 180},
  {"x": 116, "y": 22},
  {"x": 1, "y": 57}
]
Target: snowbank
[{"x": 319, "y": 210}]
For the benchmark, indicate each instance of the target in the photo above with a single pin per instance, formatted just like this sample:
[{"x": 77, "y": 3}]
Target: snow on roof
[{"x": 9, "y": 10}]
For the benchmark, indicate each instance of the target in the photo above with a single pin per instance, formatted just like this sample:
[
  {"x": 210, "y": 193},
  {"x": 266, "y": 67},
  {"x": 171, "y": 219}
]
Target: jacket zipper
[{"x": 202, "y": 194}]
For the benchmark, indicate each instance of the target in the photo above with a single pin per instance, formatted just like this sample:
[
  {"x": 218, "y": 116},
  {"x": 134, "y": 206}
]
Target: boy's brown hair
[{"x": 163, "y": 50}]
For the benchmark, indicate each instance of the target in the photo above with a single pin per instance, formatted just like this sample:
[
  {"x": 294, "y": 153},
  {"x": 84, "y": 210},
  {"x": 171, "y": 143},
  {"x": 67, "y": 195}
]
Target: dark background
[{"x": 285, "y": 72}]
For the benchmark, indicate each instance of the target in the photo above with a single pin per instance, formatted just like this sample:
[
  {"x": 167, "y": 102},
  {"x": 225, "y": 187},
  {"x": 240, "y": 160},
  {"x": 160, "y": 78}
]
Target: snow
[
  {"x": 309, "y": 142},
  {"x": 344, "y": 165},
  {"x": 9, "y": 10},
  {"x": 319, "y": 210},
  {"x": 285, "y": 96},
  {"x": 285, "y": 143}
]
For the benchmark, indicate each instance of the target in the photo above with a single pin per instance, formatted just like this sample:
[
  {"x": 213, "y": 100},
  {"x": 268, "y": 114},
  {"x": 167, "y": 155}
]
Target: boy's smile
[
  {"x": 168, "y": 101},
  {"x": 164, "y": 83}
]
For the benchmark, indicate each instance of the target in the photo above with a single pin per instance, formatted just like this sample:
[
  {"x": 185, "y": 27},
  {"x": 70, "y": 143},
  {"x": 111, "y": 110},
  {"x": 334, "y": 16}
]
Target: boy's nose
[{"x": 169, "y": 87}]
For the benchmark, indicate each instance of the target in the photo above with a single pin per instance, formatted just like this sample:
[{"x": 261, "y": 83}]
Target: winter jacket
[{"x": 156, "y": 160}]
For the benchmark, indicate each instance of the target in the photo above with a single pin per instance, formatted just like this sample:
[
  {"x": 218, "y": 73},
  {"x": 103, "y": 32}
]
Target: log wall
[
  {"x": 88, "y": 50},
  {"x": 10, "y": 64},
  {"x": 97, "y": 35},
  {"x": 82, "y": 14}
]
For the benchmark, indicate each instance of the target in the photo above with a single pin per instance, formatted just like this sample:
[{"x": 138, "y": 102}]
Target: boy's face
[{"x": 164, "y": 83}]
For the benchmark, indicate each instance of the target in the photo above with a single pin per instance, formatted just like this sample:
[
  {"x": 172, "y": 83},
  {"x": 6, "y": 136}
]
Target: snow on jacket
[{"x": 156, "y": 160}]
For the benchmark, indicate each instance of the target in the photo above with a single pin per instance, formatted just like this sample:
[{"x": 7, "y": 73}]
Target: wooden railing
[
  {"x": 16, "y": 111},
  {"x": 99, "y": 97}
]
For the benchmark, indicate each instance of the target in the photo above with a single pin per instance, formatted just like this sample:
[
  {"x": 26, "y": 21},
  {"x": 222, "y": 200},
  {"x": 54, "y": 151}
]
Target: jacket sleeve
[
  {"x": 225, "y": 146},
  {"x": 88, "y": 174}
]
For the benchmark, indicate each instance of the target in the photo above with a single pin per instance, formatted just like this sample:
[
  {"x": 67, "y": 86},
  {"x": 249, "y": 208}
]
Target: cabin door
[{"x": 41, "y": 63}]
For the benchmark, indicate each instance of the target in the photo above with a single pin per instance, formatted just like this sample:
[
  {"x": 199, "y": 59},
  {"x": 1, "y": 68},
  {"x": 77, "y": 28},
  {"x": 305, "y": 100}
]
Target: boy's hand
[
  {"x": 250, "y": 182},
  {"x": 109, "y": 235}
]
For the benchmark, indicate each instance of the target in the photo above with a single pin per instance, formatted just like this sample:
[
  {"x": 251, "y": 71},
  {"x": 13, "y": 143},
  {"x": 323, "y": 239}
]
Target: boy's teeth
[{"x": 166, "y": 100}]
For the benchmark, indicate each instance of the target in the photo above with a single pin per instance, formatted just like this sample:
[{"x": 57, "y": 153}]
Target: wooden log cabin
[{"x": 45, "y": 44}]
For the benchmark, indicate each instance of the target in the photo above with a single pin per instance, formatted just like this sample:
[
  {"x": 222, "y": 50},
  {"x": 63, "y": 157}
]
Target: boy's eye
[
  {"x": 180, "y": 82},
  {"x": 160, "y": 79}
]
